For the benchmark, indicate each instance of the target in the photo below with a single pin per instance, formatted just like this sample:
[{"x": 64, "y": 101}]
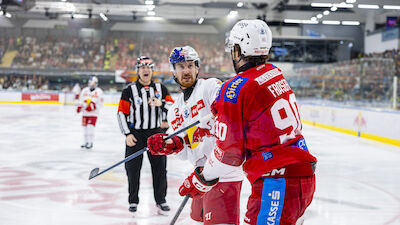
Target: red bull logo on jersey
[
  {"x": 199, "y": 134},
  {"x": 196, "y": 108},
  {"x": 219, "y": 154},
  {"x": 177, "y": 122},
  {"x": 233, "y": 88}
]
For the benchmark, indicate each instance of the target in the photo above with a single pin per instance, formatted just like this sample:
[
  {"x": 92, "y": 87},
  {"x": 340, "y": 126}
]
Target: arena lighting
[
  {"x": 351, "y": 23},
  {"x": 343, "y": 5},
  {"x": 70, "y": 7},
  {"x": 149, "y": 2},
  {"x": 313, "y": 18},
  {"x": 103, "y": 16},
  {"x": 63, "y": 0},
  {"x": 351, "y": 1},
  {"x": 151, "y": 13},
  {"x": 239, "y": 4},
  {"x": 75, "y": 16},
  {"x": 153, "y": 18},
  {"x": 326, "y": 12},
  {"x": 318, "y": 4},
  {"x": 201, "y": 20},
  {"x": 291, "y": 21},
  {"x": 309, "y": 21},
  {"x": 366, "y": 6},
  {"x": 334, "y": 8},
  {"x": 391, "y": 6},
  {"x": 8, "y": 15},
  {"x": 331, "y": 22},
  {"x": 150, "y": 7},
  {"x": 319, "y": 16},
  {"x": 232, "y": 14}
]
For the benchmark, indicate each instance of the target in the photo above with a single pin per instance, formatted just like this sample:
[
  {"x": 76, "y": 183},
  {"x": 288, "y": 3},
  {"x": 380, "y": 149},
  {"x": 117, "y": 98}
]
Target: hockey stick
[
  {"x": 178, "y": 212},
  {"x": 95, "y": 172}
]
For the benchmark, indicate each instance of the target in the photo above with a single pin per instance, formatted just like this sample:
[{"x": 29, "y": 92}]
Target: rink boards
[{"x": 374, "y": 124}]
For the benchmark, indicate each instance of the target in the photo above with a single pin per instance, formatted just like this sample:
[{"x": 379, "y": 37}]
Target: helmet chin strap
[{"x": 235, "y": 62}]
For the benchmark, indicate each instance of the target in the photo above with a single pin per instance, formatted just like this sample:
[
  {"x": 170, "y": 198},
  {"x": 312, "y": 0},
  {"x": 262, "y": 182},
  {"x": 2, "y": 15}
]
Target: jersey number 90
[{"x": 292, "y": 118}]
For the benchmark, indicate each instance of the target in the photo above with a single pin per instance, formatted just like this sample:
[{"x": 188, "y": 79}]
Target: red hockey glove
[
  {"x": 91, "y": 107},
  {"x": 158, "y": 146},
  {"x": 78, "y": 110},
  {"x": 195, "y": 185}
]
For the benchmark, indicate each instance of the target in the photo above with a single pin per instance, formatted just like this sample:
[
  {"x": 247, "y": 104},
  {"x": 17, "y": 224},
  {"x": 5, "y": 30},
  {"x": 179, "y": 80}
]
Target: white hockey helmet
[
  {"x": 180, "y": 54},
  {"x": 93, "y": 82},
  {"x": 253, "y": 36}
]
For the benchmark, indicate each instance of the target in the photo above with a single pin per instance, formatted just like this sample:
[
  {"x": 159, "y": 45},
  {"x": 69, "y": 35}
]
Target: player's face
[
  {"x": 92, "y": 84},
  {"x": 186, "y": 73},
  {"x": 145, "y": 73}
]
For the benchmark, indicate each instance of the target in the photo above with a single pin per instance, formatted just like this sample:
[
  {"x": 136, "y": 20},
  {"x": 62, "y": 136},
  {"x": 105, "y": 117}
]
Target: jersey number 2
[{"x": 285, "y": 114}]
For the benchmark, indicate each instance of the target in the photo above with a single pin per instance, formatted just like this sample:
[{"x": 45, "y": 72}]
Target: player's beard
[{"x": 187, "y": 80}]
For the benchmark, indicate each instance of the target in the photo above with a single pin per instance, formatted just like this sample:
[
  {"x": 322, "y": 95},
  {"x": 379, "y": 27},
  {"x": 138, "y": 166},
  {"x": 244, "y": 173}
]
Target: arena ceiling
[{"x": 211, "y": 11}]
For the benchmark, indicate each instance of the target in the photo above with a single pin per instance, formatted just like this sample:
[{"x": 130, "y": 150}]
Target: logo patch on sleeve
[
  {"x": 219, "y": 92},
  {"x": 232, "y": 90}
]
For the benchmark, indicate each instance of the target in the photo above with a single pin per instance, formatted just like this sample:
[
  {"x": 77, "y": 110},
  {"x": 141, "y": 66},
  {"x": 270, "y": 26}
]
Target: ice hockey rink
[{"x": 44, "y": 174}]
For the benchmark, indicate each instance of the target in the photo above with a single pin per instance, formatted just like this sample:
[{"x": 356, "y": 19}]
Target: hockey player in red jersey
[
  {"x": 258, "y": 126},
  {"x": 221, "y": 204}
]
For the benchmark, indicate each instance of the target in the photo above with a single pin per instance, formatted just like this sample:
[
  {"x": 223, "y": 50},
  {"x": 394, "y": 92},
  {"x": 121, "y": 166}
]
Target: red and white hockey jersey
[
  {"x": 87, "y": 96},
  {"x": 183, "y": 113},
  {"x": 257, "y": 123}
]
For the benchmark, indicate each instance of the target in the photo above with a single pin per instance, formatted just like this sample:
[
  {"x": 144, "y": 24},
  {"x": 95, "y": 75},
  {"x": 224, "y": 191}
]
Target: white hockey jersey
[
  {"x": 200, "y": 137},
  {"x": 87, "y": 96}
]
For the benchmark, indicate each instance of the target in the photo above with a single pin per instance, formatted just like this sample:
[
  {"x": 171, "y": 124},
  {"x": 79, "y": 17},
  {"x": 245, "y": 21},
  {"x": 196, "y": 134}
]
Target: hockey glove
[
  {"x": 78, "y": 109},
  {"x": 195, "y": 185},
  {"x": 158, "y": 146},
  {"x": 91, "y": 106}
]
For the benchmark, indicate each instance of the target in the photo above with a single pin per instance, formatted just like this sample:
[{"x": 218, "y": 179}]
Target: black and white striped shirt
[{"x": 134, "y": 112}]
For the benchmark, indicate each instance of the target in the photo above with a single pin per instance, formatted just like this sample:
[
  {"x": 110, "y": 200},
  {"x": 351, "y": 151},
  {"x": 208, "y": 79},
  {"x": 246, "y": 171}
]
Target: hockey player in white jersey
[
  {"x": 90, "y": 101},
  {"x": 221, "y": 204}
]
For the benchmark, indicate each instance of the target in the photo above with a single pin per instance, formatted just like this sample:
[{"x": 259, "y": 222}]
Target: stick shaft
[
  {"x": 136, "y": 154},
  {"x": 178, "y": 212}
]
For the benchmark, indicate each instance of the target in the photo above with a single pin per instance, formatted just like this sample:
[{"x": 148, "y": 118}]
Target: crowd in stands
[
  {"x": 56, "y": 53},
  {"x": 110, "y": 54},
  {"x": 2, "y": 48},
  {"x": 368, "y": 77},
  {"x": 24, "y": 83}
]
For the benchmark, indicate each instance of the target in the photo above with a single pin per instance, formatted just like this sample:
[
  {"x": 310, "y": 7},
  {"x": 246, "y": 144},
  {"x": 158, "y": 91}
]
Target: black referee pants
[{"x": 158, "y": 168}]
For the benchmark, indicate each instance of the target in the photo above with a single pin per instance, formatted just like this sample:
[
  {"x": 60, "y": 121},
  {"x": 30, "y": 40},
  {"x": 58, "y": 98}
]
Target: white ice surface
[{"x": 44, "y": 175}]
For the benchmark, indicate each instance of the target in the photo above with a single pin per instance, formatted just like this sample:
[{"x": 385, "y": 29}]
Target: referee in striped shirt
[{"x": 142, "y": 112}]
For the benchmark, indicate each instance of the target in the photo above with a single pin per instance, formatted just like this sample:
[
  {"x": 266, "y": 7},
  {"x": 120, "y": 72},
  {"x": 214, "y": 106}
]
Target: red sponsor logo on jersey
[
  {"x": 218, "y": 153},
  {"x": 199, "y": 134},
  {"x": 175, "y": 124},
  {"x": 196, "y": 108}
]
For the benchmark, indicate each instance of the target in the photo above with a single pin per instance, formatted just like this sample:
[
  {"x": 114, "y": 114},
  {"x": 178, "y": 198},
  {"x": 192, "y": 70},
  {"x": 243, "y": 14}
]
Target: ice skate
[
  {"x": 163, "y": 209},
  {"x": 133, "y": 207}
]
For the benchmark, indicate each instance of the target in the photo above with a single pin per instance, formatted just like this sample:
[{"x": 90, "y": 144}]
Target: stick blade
[{"x": 94, "y": 173}]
